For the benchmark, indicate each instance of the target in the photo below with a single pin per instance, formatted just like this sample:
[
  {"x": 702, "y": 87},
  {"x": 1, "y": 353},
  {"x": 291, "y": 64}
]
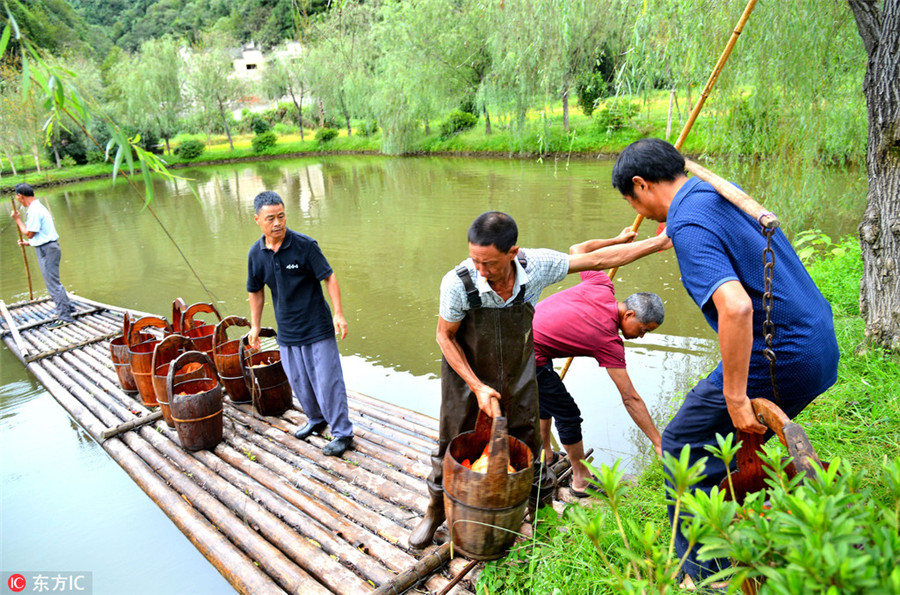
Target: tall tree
[
  {"x": 212, "y": 83},
  {"x": 878, "y": 22},
  {"x": 283, "y": 76}
]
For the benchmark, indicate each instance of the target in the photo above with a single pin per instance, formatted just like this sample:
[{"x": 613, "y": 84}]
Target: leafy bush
[
  {"x": 458, "y": 121},
  {"x": 836, "y": 268},
  {"x": 190, "y": 149},
  {"x": 615, "y": 115},
  {"x": 368, "y": 128},
  {"x": 96, "y": 156},
  {"x": 69, "y": 144},
  {"x": 323, "y": 135},
  {"x": 258, "y": 125},
  {"x": 263, "y": 141}
]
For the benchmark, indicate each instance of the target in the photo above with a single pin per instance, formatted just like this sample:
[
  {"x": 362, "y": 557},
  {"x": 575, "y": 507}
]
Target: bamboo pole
[
  {"x": 713, "y": 77},
  {"x": 425, "y": 566},
  {"x": 12, "y": 201},
  {"x": 13, "y": 330},
  {"x": 401, "y": 412},
  {"x": 130, "y": 425}
]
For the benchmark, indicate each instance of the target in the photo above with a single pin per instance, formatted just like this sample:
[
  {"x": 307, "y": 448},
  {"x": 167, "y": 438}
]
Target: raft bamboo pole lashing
[
  {"x": 713, "y": 77},
  {"x": 233, "y": 565}
]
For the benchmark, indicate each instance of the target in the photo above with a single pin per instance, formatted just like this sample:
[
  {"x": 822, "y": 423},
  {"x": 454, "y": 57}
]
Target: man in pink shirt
[{"x": 586, "y": 320}]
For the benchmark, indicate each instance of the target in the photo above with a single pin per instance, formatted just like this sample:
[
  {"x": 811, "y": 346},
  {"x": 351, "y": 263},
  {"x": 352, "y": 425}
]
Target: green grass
[{"x": 857, "y": 420}]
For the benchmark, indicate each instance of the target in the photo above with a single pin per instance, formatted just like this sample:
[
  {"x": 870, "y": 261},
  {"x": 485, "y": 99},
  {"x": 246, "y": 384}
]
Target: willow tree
[
  {"x": 879, "y": 27},
  {"x": 212, "y": 83},
  {"x": 158, "y": 93},
  {"x": 284, "y": 76}
]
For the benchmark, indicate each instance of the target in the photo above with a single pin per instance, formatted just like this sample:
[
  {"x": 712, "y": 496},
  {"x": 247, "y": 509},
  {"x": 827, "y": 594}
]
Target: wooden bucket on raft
[
  {"x": 199, "y": 332},
  {"x": 140, "y": 350},
  {"x": 227, "y": 357},
  {"x": 164, "y": 354},
  {"x": 121, "y": 358},
  {"x": 485, "y": 510},
  {"x": 196, "y": 404},
  {"x": 264, "y": 375},
  {"x": 750, "y": 476}
]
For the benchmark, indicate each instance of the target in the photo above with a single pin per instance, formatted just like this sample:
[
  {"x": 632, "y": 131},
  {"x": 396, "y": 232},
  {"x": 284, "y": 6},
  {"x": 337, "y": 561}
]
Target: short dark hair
[
  {"x": 266, "y": 198},
  {"x": 653, "y": 159},
  {"x": 24, "y": 189},
  {"x": 494, "y": 229},
  {"x": 647, "y": 307}
]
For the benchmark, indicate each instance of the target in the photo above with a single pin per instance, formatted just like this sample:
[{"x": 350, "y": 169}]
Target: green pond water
[{"x": 391, "y": 228}]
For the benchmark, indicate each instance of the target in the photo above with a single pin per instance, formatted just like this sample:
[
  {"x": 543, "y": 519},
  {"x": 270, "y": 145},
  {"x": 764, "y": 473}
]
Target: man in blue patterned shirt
[
  {"x": 485, "y": 335},
  {"x": 719, "y": 250}
]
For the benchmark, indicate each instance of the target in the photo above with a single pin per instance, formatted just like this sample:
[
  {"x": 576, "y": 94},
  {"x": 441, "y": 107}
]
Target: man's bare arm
[
  {"x": 617, "y": 255},
  {"x": 636, "y": 407}
]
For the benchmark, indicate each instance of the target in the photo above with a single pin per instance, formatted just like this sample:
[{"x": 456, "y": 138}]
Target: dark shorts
[{"x": 555, "y": 402}]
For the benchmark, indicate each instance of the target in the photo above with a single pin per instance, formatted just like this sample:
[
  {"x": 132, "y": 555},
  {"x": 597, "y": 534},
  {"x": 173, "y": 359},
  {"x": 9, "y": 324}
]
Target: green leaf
[
  {"x": 4, "y": 39},
  {"x": 12, "y": 21},
  {"x": 26, "y": 75},
  {"x": 117, "y": 163}
]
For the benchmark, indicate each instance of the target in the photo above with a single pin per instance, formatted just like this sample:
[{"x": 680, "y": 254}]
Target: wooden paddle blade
[{"x": 498, "y": 453}]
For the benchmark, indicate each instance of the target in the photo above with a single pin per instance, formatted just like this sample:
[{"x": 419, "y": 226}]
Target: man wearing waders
[
  {"x": 484, "y": 331},
  {"x": 719, "y": 250}
]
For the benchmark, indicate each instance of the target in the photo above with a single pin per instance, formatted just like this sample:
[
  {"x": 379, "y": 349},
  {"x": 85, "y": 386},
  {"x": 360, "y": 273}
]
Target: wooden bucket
[
  {"x": 196, "y": 405},
  {"x": 199, "y": 332},
  {"x": 227, "y": 357},
  {"x": 121, "y": 358},
  {"x": 140, "y": 350},
  {"x": 178, "y": 308},
  {"x": 264, "y": 375},
  {"x": 485, "y": 510},
  {"x": 165, "y": 352}
]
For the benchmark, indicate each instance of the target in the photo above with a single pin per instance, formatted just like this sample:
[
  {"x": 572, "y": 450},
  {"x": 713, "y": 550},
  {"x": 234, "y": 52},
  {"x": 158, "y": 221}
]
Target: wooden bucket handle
[
  {"x": 188, "y": 315},
  {"x": 495, "y": 429},
  {"x": 126, "y": 324},
  {"x": 178, "y": 308},
  {"x": 168, "y": 349},
  {"x": 220, "y": 335},
  {"x": 265, "y": 331},
  {"x": 791, "y": 435},
  {"x": 189, "y": 357},
  {"x": 142, "y": 323}
]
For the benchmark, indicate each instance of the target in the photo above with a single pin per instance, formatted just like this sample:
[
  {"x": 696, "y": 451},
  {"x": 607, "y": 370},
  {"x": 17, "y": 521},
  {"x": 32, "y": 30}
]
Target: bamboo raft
[{"x": 269, "y": 511}]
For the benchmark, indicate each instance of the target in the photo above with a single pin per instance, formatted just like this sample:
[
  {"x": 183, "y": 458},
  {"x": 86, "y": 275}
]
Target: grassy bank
[
  {"x": 611, "y": 128},
  {"x": 857, "y": 420}
]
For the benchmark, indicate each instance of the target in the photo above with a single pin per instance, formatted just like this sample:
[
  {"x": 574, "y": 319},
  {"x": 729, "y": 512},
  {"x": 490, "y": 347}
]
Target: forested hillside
[
  {"x": 129, "y": 23},
  {"x": 57, "y": 27}
]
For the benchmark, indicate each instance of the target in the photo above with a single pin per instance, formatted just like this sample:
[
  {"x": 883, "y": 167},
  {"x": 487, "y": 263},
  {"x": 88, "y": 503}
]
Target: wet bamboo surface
[{"x": 269, "y": 511}]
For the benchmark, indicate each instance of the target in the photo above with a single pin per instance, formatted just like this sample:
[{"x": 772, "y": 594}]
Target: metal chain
[{"x": 768, "y": 301}]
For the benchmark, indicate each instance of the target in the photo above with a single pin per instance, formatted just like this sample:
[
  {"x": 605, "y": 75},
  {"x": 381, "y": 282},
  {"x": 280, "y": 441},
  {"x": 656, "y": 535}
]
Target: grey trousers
[
  {"x": 48, "y": 256},
  {"x": 317, "y": 380}
]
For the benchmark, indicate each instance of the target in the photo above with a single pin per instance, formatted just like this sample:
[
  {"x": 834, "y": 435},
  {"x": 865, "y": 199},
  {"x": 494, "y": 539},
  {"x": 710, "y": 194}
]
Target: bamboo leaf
[
  {"x": 117, "y": 163},
  {"x": 26, "y": 75},
  {"x": 15, "y": 25},
  {"x": 7, "y": 30}
]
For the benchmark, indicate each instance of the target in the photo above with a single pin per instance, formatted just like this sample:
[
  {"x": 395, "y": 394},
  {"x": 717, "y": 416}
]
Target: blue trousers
[
  {"x": 317, "y": 380},
  {"x": 702, "y": 416},
  {"x": 48, "y": 256}
]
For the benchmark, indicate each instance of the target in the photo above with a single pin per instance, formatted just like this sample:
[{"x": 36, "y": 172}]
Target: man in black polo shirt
[{"x": 293, "y": 267}]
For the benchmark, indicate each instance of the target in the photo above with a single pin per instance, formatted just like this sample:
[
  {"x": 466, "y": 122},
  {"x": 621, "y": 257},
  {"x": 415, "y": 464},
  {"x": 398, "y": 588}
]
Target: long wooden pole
[
  {"x": 12, "y": 201},
  {"x": 713, "y": 77}
]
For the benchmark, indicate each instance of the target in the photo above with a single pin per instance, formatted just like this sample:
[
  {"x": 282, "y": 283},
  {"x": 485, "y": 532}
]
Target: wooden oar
[
  {"x": 12, "y": 201},
  {"x": 713, "y": 77}
]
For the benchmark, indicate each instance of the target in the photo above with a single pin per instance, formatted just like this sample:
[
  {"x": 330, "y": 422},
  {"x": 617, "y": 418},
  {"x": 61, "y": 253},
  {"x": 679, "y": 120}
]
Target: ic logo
[
  {"x": 292, "y": 266},
  {"x": 16, "y": 582}
]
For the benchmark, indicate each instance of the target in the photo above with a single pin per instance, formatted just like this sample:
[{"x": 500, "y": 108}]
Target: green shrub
[
  {"x": 258, "y": 125},
  {"x": 96, "y": 157},
  {"x": 263, "y": 141},
  {"x": 67, "y": 161},
  {"x": 458, "y": 121},
  {"x": 190, "y": 149},
  {"x": 615, "y": 115},
  {"x": 323, "y": 135},
  {"x": 368, "y": 128},
  {"x": 836, "y": 268}
]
